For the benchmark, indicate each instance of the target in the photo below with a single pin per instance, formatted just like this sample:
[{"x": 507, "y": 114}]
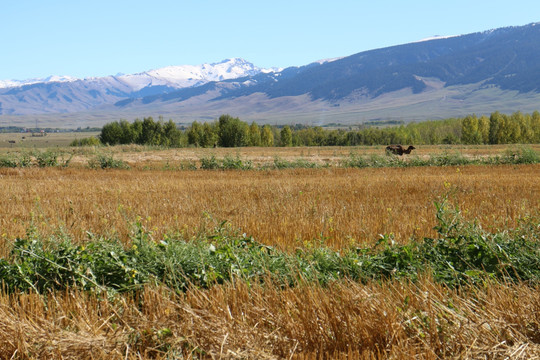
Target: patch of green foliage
[
  {"x": 280, "y": 163},
  {"x": 46, "y": 158},
  {"x": 463, "y": 253},
  {"x": 89, "y": 141},
  {"x": 103, "y": 161},
  {"x": 49, "y": 158},
  {"x": 227, "y": 163},
  {"x": 12, "y": 160}
]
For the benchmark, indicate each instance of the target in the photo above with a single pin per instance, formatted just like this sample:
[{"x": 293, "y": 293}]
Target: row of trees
[
  {"x": 229, "y": 131},
  {"x": 145, "y": 132},
  {"x": 501, "y": 128}
]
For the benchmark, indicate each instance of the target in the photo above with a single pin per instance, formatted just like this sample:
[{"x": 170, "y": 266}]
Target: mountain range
[{"x": 435, "y": 78}]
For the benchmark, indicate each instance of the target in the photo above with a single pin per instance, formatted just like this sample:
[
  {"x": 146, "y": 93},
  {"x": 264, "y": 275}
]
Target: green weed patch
[{"x": 462, "y": 254}]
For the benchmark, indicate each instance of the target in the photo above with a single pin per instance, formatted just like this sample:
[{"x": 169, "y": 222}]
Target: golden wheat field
[
  {"x": 284, "y": 208},
  {"x": 277, "y": 207}
]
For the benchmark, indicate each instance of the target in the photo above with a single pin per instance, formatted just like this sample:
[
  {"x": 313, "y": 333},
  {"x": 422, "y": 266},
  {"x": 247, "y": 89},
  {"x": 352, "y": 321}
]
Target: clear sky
[{"x": 84, "y": 38}]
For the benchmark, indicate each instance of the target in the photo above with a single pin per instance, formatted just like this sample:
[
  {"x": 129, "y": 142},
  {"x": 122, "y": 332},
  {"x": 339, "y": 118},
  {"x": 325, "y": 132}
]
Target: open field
[
  {"x": 27, "y": 141},
  {"x": 145, "y": 157},
  {"x": 293, "y": 210},
  {"x": 278, "y": 207}
]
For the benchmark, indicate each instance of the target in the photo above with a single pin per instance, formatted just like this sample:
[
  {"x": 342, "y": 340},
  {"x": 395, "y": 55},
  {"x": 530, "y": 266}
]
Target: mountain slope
[
  {"x": 505, "y": 58},
  {"x": 441, "y": 77}
]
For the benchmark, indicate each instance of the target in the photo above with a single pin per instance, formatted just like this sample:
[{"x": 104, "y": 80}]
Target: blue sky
[{"x": 97, "y": 38}]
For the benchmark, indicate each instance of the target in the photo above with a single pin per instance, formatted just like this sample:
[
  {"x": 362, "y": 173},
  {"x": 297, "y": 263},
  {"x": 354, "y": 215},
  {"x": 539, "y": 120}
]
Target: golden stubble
[
  {"x": 278, "y": 207},
  {"x": 345, "y": 320}
]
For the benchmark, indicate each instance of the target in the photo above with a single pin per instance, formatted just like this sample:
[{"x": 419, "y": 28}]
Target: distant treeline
[{"x": 229, "y": 131}]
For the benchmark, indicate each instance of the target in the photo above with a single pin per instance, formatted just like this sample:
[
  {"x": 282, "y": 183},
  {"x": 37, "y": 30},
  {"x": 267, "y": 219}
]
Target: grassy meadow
[{"x": 297, "y": 253}]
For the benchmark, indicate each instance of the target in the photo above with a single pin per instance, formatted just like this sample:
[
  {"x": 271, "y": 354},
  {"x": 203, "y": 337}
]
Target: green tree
[
  {"x": 535, "y": 126},
  {"x": 137, "y": 129},
  {"x": 469, "y": 130},
  {"x": 483, "y": 128},
  {"x": 495, "y": 123},
  {"x": 151, "y": 132},
  {"x": 254, "y": 134},
  {"x": 232, "y": 131},
  {"x": 267, "y": 136},
  {"x": 171, "y": 135},
  {"x": 286, "y": 136},
  {"x": 111, "y": 133},
  {"x": 210, "y": 136},
  {"x": 128, "y": 134},
  {"x": 353, "y": 138},
  {"x": 513, "y": 129},
  {"x": 195, "y": 134},
  {"x": 525, "y": 130}
]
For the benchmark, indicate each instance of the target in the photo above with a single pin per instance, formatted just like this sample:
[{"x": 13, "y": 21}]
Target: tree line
[{"x": 230, "y": 131}]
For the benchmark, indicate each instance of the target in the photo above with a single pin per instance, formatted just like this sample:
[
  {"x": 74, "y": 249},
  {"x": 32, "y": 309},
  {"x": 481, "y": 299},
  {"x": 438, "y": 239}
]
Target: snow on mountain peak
[
  {"x": 178, "y": 76},
  {"x": 324, "y": 61},
  {"x": 53, "y": 78},
  {"x": 175, "y": 76},
  {"x": 436, "y": 37}
]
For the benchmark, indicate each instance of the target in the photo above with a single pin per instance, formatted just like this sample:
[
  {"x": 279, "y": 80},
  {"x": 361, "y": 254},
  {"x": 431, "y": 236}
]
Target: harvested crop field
[
  {"x": 162, "y": 262},
  {"x": 278, "y": 207}
]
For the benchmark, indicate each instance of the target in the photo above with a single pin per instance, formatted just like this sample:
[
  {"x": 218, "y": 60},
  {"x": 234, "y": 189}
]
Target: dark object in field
[{"x": 399, "y": 150}]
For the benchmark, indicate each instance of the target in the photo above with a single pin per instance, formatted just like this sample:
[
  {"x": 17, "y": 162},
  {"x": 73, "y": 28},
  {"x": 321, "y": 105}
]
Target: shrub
[
  {"x": 295, "y": 164},
  {"x": 107, "y": 162},
  {"x": 8, "y": 161},
  {"x": 89, "y": 141},
  {"x": 227, "y": 163},
  {"x": 355, "y": 161},
  {"x": 46, "y": 158},
  {"x": 230, "y": 163},
  {"x": 448, "y": 159},
  {"x": 521, "y": 155},
  {"x": 210, "y": 163}
]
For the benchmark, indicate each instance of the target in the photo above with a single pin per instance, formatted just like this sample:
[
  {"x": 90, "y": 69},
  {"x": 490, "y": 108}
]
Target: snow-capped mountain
[
  {"x": 178, "y": 76},
  {"x": 53, "y": 78},
  {"x": 63, "y": 94},
  {"x": 192, "y": 75}
]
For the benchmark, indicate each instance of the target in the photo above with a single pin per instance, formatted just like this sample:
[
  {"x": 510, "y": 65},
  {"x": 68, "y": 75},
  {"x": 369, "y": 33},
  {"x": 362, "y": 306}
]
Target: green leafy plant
[
  {"x": 46, "y": 158},
  {"x": 102, "y": 161}
]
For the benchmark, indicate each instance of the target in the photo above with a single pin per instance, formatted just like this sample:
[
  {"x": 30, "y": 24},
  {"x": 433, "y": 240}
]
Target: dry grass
[
  {"x": 346, "y": 320},
  {"x": 285, "y": 207}
]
